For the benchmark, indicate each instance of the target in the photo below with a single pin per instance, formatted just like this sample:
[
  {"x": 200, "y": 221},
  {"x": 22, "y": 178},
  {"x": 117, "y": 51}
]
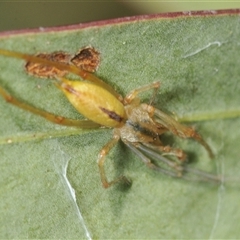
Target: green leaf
[{"x": 196, "y": 59}]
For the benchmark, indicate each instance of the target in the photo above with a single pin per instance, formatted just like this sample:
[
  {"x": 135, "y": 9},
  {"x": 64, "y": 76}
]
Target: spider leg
[
  {"x": 205, "y": 176},
  {"x": 175, "y": 127},
  {"x": 132, "y": 95},
  {"x": 62, "y": 66},
  {"x": 180, "y": 171},
  {"x": 49, "y": 116},
  {"x": 135, "y": 148},
  {"x": 167, "y": 150},
  {"x": 101, "y": 159}
]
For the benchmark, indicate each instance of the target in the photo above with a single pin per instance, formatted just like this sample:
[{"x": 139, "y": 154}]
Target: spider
[{"x": 138, "y": 125}]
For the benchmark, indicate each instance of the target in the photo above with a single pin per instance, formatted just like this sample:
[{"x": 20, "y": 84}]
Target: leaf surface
[{"x": 196, "y": 58}]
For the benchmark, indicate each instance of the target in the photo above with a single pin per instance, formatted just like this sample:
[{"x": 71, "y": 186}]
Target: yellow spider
[{"x": 138, "y": 125}]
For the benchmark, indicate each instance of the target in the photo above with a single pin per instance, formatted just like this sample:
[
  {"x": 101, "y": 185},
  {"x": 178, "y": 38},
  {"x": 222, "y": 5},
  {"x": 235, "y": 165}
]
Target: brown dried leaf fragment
[
  {"x": 87, "y": 59},
  {"x": 47, "y": 71}
]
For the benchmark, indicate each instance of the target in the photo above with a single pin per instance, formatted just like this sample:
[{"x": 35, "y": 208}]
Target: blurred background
[{"x": 33, "y": 14}]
